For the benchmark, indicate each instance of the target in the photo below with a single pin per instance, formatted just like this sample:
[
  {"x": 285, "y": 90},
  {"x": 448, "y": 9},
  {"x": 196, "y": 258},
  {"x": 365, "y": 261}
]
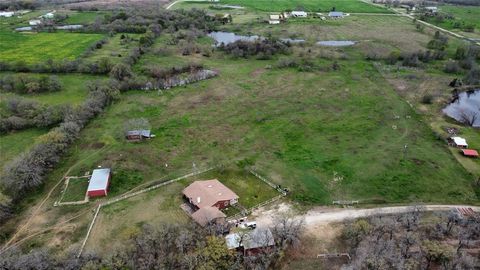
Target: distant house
[
  {"x": 457, "y": 142},
  {"x": 209, "y": 193},
  {"x": 138, "y": 135},
  {"x": 274, "y": 19},
  {"x": 251, "y": 242},
  {"x": 336, "y": 14},
  {"x": 99, "y": 183},
  {"x": 49, "y": 15},
  {"x": 206, "y": 198},
  {"x": 431, "y": 9},
  {"x": 6, "y": 14},
  {"x": 301, "y": 14},
  {"x": 34, "y": 22},
  {"x": 470, "y": 153}
]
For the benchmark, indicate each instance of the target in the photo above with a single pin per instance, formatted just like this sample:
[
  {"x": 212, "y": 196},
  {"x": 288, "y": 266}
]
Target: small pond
[
  {"x": 61, "y": 27},
  {"x": 229, "y": 6},
  {"x": 336, "y": 43},
  {"x": 69, "y": 27},
  {"x": 292, "y": 40},
  {"x": 228, "y": 37},
  {"x": 466, "y": 105}
]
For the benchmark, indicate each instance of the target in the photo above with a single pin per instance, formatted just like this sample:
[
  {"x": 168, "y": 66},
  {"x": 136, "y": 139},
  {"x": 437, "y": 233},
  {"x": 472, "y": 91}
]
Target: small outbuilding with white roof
[
  {"x": 457, "y": 142},
  {"x": 99, "y": 182}
]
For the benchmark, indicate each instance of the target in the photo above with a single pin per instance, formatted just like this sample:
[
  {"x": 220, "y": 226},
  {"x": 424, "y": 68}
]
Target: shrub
[
  {"x": 264, "y": 49},
  {"x": 427, "y": 99},
  {"x": 451, "y": 67}
]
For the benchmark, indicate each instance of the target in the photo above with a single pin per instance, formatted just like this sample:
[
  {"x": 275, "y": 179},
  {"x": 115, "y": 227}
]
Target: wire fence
[{"x": 129, "y": 195}]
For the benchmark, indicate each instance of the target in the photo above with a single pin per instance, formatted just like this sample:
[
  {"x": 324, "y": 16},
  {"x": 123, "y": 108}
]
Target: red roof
[{"x": 470, "y": 152}]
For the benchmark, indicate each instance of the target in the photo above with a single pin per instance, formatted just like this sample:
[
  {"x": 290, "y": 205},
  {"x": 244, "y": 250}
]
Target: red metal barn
[{"x": 99, "y": 183}]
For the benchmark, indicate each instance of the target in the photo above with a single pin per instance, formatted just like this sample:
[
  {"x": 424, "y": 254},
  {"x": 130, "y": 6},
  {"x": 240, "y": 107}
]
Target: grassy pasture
[
  {"x": 84, "y": 17},
  {"x": 305, "y": 131},
  {"x": 464, "y": 15},
  {"x": 115, "y": 49},
  {"x": 118, "y": 222},
  {"x": 308, "y": 5},
  {"x": 32, "y": 48},
  {"x": 76, "y": 190},
  {"x": 14, "y": 143},
  {"x": 74, "y": 90}
]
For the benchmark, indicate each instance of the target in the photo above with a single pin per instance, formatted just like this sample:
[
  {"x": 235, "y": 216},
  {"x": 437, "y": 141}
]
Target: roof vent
[
  {"x": 198, "y": 199},
  {"x": 209, "y": 186},
  {"x": 219, "y": 193}
]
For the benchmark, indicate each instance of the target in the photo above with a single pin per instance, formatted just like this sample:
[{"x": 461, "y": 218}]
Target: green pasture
[
  {"x": 84, "y": 17},
  {"x": 74, "y": 89},
  {"x": 462, "y": 16},
  {"x": 31, "y": 48},
  {"x": 15, "y": 143},
  {"x": 324, "y": 135},
  {"x": 76, "y": 190},
  {"x": 116, "y": 49},
  {"x": 356, "y": 6}
]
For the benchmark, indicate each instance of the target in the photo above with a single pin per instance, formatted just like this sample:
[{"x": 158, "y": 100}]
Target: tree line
[
  {"x": 168, "y": 247},
  {"x": 24, "y": 113},
  {"x": 414, "y": 241},
  {"x": 26, "y": 84}
]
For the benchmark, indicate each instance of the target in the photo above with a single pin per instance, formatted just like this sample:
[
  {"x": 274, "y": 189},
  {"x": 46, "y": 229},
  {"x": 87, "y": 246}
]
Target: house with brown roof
[
  {"x": 210, "y": 193},
  {"x": 207, "y": 198}
]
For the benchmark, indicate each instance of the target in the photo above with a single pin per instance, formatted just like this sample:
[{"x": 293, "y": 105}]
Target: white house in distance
[
  {"x": 99, "y": 182},
  {"x": 274, "y": 19},
  {"x": 431, "y": 9},
  {"x": 457, "y": 142},
  {"x": 6, "y": 14},
  {"x": 336, "y": 15},
  {"x": 49, "y": 15},
  {"x": 34, "y": 22},
  {"x": 301, "y": 14}
]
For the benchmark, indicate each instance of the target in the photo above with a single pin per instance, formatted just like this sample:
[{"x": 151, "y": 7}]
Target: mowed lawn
[
  {"x": 32, "y": 48},
  {"x": 308, "y": 5}
]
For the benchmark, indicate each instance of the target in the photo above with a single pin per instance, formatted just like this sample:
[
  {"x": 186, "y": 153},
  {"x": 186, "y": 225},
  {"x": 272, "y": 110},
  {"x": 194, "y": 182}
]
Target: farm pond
[
  {"x": 228, "y": 37},
  {"x": 465, "y": 107},
  {"x": 336, "y": 43}
]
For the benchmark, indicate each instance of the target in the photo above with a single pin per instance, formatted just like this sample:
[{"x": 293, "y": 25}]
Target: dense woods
[
  {"x": 414, "y": 241},
  {"x": 168, "y": 247}
]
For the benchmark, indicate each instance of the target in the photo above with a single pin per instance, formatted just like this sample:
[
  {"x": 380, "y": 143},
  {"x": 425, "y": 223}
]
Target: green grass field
[
  {"x": 76, "y": 190},
  {"x": 463, "y": 15},
  {"x": 308, "y": 5},
  {"x": 74, "y": 90},
  {"x": 115, "y": 49},
  {"x": 305, "y": 131},
  {"x": 14, "y": 143},
  {"x": 33, "y": 48},
  {"x": 85, "y": 17}
]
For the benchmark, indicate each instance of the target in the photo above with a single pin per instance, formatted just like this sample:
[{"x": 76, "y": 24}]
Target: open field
[
  {"x": 318, "y": 125},
  {"x": 85, "y": 17},
  {"x": 413, "y": 85},
  {"x": 463, "y": 16},
  {"x": 31, "y": 48},
  {"x": 76, "y": 190},
  {"x": 74, "y": 90},
  {"x": 116, "y": 49},
  {"x": 308, "y": 5},
  {"x": 118, "y": 222},
  {"x": 326, "y": 134},
  {"x": 14, "y": 143}
]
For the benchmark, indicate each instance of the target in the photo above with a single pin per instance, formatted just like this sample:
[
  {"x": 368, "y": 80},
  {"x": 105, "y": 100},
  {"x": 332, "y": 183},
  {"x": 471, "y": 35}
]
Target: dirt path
[{"x": 326, "y": 215}]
